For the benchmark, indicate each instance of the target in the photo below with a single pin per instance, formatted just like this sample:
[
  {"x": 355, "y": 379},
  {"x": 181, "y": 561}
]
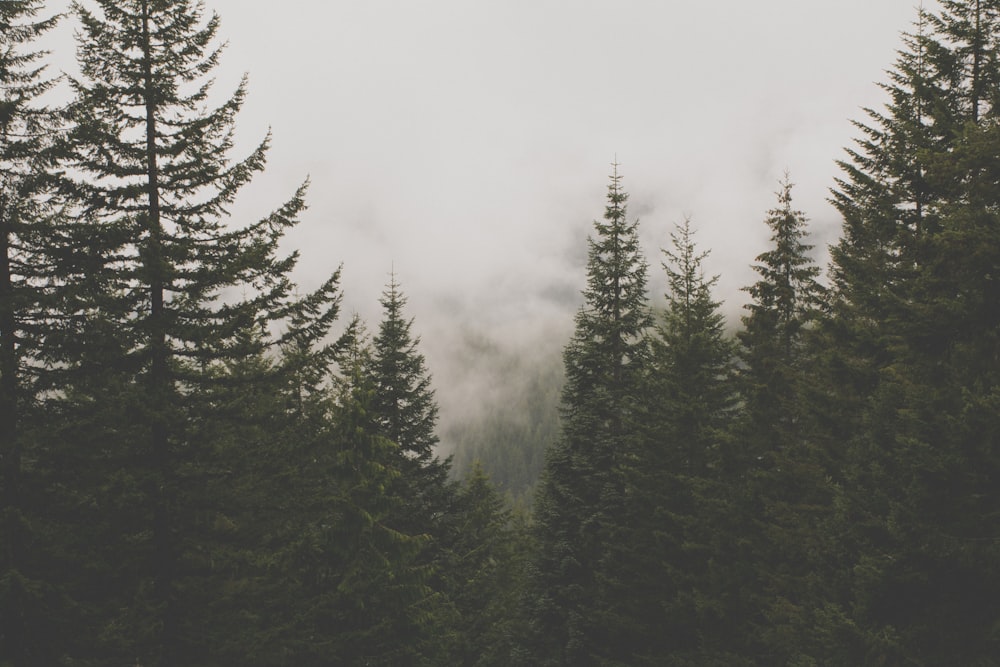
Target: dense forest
[{"x": 202, "y": 464}]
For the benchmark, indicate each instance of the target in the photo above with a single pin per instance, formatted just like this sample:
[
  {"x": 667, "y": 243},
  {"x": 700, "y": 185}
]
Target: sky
[{"x": 466, "y": 144}]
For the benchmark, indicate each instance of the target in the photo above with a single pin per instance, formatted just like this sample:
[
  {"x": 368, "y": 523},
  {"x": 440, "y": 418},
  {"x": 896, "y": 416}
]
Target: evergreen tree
[
  {"x": 915, "y": 349},
  {"x": 883, "y": 196},
  {"x": 359, "y": 592},
  {"x": 405, "y": 409},
  {"x": 156, "y": 183},
  {"x": 30, "y": 602},
  {"x": 267, "y": 462},
  {"x": 675, "y": 562},
  {"x": 784, "y": 301},
  {"x": 490, "y": 562},
  {"x": 404, "y": 400},
  {"x": 581, "y": 495},
  {"x": 787, "y": 490},
  {"x": 692, "y": 384}
]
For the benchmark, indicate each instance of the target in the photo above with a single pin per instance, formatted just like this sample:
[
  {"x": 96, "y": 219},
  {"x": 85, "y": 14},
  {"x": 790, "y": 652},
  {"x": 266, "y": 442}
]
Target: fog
[{"x": 466, "y": 146}]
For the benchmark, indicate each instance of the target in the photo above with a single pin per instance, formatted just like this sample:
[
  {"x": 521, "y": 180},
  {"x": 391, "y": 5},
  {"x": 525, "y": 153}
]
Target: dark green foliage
[
  {"x": 786, "y": 486},
  {"x": 673, "y": 567},
  {"x": 361, "y": 593},
  {"x": 693, "y": 396},
  {"x": 406, "y": 412},
  {"x": 404, "y": 400},
  {"x": 185, "y": 479},
  {"x": 155, "y": 185},
  {"x": 33, "y": 606},
  {"x": 914, "y": 333},
  {"x": 490, "y": 559},
  {"x": 581, "y": 496},
  {"x": 785, "y": 299}
]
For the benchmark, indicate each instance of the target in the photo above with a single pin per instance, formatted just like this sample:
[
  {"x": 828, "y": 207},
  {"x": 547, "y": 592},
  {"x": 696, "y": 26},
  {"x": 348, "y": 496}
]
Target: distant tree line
[{"x": 201, "y": 465}]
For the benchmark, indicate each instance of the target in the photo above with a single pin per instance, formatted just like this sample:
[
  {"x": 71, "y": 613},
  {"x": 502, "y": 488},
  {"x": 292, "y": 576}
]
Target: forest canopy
[{"x": 202, "y": 463}]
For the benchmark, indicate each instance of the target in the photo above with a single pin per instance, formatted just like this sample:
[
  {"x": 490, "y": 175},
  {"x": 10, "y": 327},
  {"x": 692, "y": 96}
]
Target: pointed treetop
[{"x": 404, "y": 398}]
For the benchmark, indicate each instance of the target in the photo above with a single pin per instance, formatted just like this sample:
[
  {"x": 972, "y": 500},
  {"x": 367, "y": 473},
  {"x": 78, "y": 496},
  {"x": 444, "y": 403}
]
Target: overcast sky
[{"x": 467, "y": 143}]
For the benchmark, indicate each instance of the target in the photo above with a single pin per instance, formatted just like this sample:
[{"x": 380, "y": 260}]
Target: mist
[{"x": 466, "y": 147}]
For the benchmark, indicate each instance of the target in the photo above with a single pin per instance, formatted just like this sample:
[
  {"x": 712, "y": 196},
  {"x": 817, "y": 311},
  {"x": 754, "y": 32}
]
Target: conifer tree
[
  {"x": 673, "y": 560},
  {"x": 404, "y": 408},
  {"x": 29, "y": 239},
  {"x": 915, "y": 351},
  {"x": 786, "y": 483},
  {"x": 404, "y": 399},
  {"x": 359, "y": 585},
  {"x": 267, "y": 462},
  {"x": 489, "y": 562},
  {"x": 156, "y": 184},
  {"x": 404, "y": 405},
  {"x": 883, "y": 197},
  {"x": 582, "y": 488},
  {"x": 785, "y": 299},
  {"x": 692, "y": 384}
]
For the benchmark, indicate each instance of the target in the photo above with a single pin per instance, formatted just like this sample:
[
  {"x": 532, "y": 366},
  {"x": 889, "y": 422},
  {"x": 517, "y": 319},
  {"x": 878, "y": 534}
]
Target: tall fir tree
[
  {"x": 358, "y": 586},
  {"x": 32, "y": 606},
  {"x": 692, "y": 390},
  {"x": 406, "y": 413},
  {"x": 788, "y": 492},
  {"x": 673, "y": 558},
  {"x": 156, "y": 183},
  {"x": 581, "y": 495},
  {"x": 784, "y": 300},
  {"x": 882, "y": 196},
  {"x": 914, "y": 329},
  {"x": 404, "y": 405},
  {"x": 489, "y": 562}
]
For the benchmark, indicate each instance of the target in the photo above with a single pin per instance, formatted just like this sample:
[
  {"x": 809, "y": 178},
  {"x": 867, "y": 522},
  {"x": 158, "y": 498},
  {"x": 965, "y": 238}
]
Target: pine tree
[
  {"x": 265, "y": 422},
  {"x": 883, "y": 197},
  {"x": 156, "y": 183},
  {"x": 785, "y": 299},
  {"x": 33, "y": 605},
  {"x": 915, "y": 350},
  {"x": 674, "y": 556},
  {"x": 489, "y": 563},
  {"x": 404, "y": 405},
  {"x": 404, "y": 408},
  {"x": 787, "y": 487},
  {"x": 404, "y": 400},
  {"x": 358, "y": 585},
  {"x": 692, "y": 384},
  {"x": 582, "y": 489}
]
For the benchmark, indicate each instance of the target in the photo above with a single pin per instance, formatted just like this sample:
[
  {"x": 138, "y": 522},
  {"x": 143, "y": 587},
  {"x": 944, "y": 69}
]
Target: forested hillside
[
  {"x": 203, "y": 464},
  {"x": 508, "y": 435}
]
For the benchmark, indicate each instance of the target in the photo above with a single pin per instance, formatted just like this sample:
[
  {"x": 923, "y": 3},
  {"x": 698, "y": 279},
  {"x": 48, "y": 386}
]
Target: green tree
[
  {"x": 693, "y": 395},
  {"x": 405, "y": 409},
  {"x": 156, "y": 183},
  {"x": 675, "y": 555},
  {"x": 265, "y": 423},
  {"x": 489, "y": 560},
  {"x": 787, "y": 486},
  {"x": 359, "y": 586},
  {"x": 784, "y": 300},
  {"x": 581, "y": 493},
  {"x": 913, "y": 356},
  {"x": 883, "y": 196},
  {"x": 30, "y": 240}
]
